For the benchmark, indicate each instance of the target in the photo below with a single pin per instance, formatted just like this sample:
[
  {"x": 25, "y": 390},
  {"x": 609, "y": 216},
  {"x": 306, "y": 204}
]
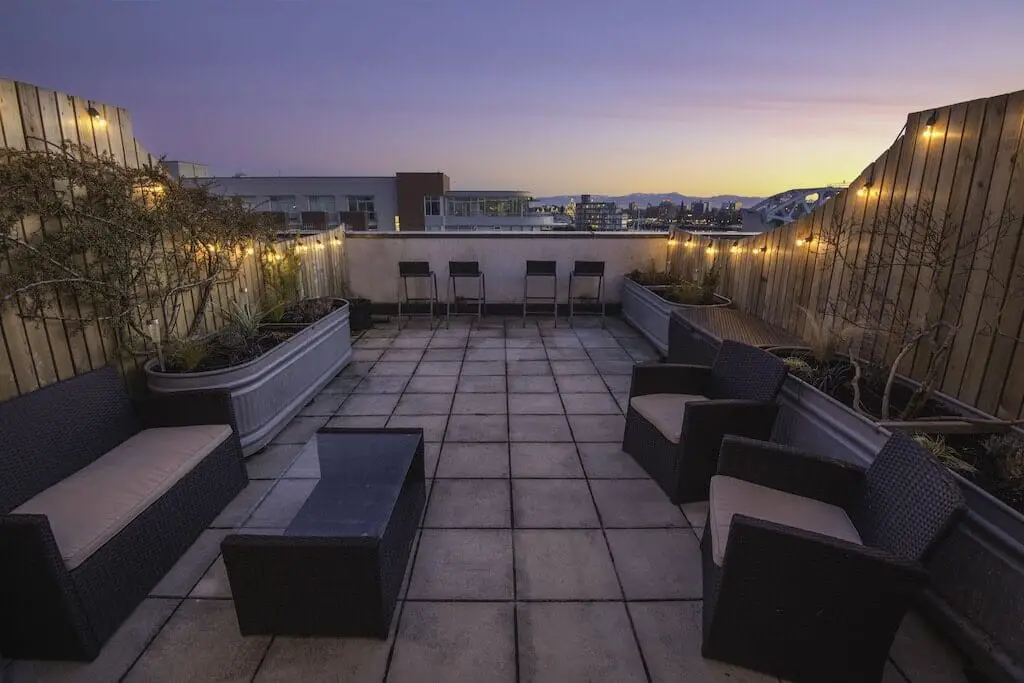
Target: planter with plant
[
  {"x": 649, "y": 296},
  {"x": 271, "y": 359}
]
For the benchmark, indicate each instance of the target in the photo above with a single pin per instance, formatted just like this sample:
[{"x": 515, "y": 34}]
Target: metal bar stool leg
[
  {"x": 433, "y": 297},
  {"x": 526, "y": 289},
  {"x": 555, "y": 298},
  {"x": 600, "y": 293},
  {"x": 448, "y": 303},
  {"x": 483, "y": 293},
  {"x": 572, "y": 304}
]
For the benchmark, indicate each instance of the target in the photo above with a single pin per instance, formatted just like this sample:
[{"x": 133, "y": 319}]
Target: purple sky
[{"x": 696, "y": 96}]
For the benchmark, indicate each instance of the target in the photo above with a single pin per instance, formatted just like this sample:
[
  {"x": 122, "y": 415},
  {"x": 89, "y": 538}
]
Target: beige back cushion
[
  {"x": 665, "y": 411},
  {"x": 94, "y": 504},
  {"x": 730, "y": 496}
]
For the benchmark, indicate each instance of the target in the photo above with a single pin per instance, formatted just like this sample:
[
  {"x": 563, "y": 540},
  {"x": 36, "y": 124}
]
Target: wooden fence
[
  {"x": 962, "y": 164},
  {"x": 34, "y": 354}
]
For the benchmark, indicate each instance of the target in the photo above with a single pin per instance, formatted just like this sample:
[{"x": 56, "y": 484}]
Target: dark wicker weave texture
[
  {"x": 808, "y": 607},
  {"x": 50, "y": 612},
  {"x": 684, "y": 469}
]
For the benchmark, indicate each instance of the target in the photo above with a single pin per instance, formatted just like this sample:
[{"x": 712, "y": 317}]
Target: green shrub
[{"x": 944, "y": 453}]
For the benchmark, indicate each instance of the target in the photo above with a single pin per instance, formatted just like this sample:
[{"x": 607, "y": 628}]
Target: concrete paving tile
[
  {"x": 432, "y": 384},
  {"x": 463, "y": 564},
  {"x": 182, "y": 577},
  {"x": 634, "y": 504},
  {"x": 352, "y": 660},
  {"x": 615, "y": 367},
  {"x": 657, "y": 564},
  {"x": 342, "y": 385},
  {"x": 477, "y": 428},
  {"x": 402, "y": 355},
  {"x": 555, "y": 353},
  {"x": 609, "y": 461},
  {"x": 535, "y": 404},
  {"x": 424, "y": 404},
  {"x": 483, "y": 368},
  {"x": 432, "y": 425},
  {"x": 539, "y": 428},
  {"x": 480, "y": 404},
  {"x": 553, "y": 504},
  {"x": 242, "y": 505},
  {"x": 438, "y": 368},
  {"x": 366, "y": 355},
  {"x": 381, "y": 385},
  {"x": 578, "y": 384},
  {"x": 473, "y": 460},
  {"x": 358, "y": 421},
  {"x": 527, "y": 368},
  {"x": 307, "y": 465},
  {"x": 488, "y": 354},
  {"x": 299, "y": 430},
  {"x": 469, "y": 503},
  {"x": 481, "y": 385},
  {"x": 530, "y": 353},
  {"x": 214, "y": 583},
  {"x": 393, "y": 369},
  {"x": 670, "y": 638},
  {"x": 923, "y": 655},
  {"x": 577, "y": 641},
  {"x": 445, "y": 641},
  {"x": 434, "y": 355},
  {"x": 536, "y": 384},
  {"x": 545, "y": 460},
  {"x": 696, "y": 513},
  {"x": 590, "y": 404},
  {"x": 272, "y": 461},
  {"x": 201, "y": 642},
  {"x": 323, "y": 404},
  {"x": 564, "y": 564},
  {"x": 572, "y": 367},
  {"x": 597, "y": 427},
  {"x": 369, "y": 404}
]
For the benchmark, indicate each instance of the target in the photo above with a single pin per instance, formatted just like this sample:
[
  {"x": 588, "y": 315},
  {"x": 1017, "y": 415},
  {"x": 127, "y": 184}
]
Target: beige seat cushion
[
  {"x": 665, "y": 411},
  {"x": 730, "y": 496},
  {"x": 94, "y": 504}
]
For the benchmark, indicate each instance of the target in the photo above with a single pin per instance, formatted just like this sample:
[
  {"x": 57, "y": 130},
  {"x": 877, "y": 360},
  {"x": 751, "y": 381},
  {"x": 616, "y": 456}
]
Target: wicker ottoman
[{"x": 338, "y": 567}]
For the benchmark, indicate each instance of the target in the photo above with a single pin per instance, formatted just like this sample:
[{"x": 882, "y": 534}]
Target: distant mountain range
[{"x": 644, "y": 198}]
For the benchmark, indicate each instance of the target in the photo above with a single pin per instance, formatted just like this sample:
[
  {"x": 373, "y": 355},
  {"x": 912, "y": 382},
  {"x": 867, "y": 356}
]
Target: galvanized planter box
[
  {"x": 645, "y": 310},
  {"x": 977, "y": 574},
  {"x": 267, "y": 392}
]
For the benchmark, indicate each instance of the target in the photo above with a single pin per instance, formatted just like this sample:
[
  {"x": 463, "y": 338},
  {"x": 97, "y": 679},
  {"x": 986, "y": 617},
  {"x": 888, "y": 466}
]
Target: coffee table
[{"x": 338, "y": 567}]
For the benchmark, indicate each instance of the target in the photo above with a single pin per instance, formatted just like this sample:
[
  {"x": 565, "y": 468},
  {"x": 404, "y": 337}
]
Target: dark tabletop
[{"x": 361, "y": 476}]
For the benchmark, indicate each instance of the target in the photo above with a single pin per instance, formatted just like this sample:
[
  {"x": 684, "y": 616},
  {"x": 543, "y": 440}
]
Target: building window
[
  {"x": 283, "y": 203},
  {"x": 249, "y": 201},
  {"x": 398, "y": 225},
  {"x": 364, "y": 204},
  {"x": 431, "y": 206},
  {"x": 321, "y": 202}
]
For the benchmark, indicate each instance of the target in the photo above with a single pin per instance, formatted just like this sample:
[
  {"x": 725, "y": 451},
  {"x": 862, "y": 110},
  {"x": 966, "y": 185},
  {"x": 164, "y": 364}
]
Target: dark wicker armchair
[
  {"x": 51, "y": 608},
  {"x": 678, "y": 414},
  {"x": 810, "y": 564}
]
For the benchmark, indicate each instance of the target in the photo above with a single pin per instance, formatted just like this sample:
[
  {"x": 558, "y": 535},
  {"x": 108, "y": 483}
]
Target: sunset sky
[{"x": 701, "y": 96}]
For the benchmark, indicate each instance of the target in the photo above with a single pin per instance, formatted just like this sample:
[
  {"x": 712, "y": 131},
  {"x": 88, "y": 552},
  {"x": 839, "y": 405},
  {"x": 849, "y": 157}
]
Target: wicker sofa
[
  {"x": 99, "y": 496},
  {"x": 810, "y": 564},
  {"x": 678, "y": 414}
]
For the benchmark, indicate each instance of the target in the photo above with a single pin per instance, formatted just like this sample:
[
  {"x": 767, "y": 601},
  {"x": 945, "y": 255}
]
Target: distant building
[
  {"x": 597, "y": 215},
  {"x": 732, "y": 206},
  {"x": 700, "y": 207},
  {"x": 402, "y": 202}
]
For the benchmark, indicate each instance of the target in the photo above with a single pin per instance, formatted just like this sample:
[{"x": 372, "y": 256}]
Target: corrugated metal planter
[
  {"x": 645, "y": 310},
  {"x": 270, "y": 390}
]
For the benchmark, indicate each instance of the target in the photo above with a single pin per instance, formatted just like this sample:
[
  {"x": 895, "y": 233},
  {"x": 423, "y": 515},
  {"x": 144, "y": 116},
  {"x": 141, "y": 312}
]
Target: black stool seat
[
  {"x": 415, "y": 270},
  {"x": 465, "y": 270},
  {"x": 541, "y": 269},
  {"x": 587, "y": 269}
]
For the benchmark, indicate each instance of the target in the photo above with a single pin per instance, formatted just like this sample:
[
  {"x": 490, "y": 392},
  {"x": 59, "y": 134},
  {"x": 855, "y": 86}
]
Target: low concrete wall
[{"x": 371, "y": 260}]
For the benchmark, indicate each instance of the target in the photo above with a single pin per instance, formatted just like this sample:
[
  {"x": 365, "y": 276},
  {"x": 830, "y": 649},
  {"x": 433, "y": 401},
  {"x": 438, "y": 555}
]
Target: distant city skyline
[{"x": 746, "y": 97}]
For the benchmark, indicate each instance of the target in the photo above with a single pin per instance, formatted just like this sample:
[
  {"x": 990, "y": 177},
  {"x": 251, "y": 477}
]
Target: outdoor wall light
[
  {"x": 763, "y": 250},
  {"x": 710, "y": 250},
  {"x": 735, "y": 248},
  {"x": 805, "y": 240},
  {"x": 97, "y": 118},
  {"x": 929, "y": 125},
  {"x": 689, "y": 243}
]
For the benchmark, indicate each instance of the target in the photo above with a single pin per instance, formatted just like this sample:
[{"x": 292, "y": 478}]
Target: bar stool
[
  {"x": 541, "y": 269},
  {"x": 458, "y": 270},
  {"x": 416, "y": 270},
  {"x": 587, "y": 269}
]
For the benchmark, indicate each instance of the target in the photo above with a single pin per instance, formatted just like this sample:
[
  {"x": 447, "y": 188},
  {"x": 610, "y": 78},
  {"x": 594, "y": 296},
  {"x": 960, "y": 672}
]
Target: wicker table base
[{"x": 338, "y": 568}]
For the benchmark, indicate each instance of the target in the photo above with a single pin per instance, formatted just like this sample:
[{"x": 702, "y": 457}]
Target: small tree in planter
[{"x": 124, "y": 245}]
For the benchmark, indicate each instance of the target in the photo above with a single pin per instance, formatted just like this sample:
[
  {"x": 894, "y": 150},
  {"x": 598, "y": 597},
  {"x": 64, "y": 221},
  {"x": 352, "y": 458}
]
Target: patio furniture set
[
  {"x": 809, "y": 563},
  {"x": 470, "y": 270}
]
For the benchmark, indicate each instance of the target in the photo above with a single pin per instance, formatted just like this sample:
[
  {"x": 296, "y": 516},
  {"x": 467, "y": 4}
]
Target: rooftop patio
[{"x": 545, "y": 553}]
